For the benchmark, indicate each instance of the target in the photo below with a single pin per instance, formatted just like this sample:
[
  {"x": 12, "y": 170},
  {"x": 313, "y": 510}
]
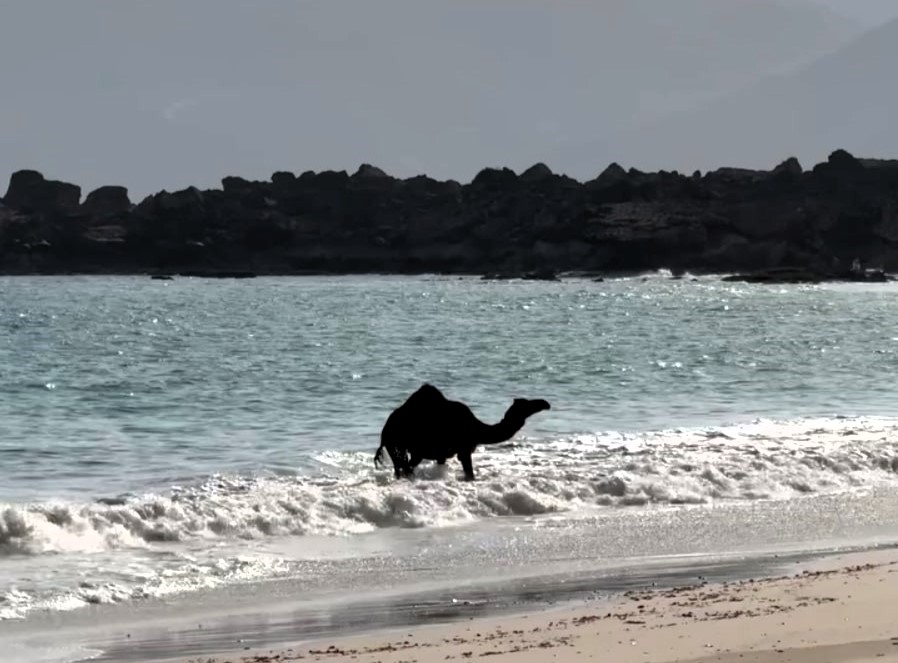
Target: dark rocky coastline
[{"x": 787, "y": 224}]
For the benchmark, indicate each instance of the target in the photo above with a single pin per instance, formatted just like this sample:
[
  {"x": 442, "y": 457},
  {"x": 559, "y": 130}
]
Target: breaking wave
[
  {"x": 760, "y": 460},
  {"x": 195, "y": 537},
  {"x": 181, "y": 574}
]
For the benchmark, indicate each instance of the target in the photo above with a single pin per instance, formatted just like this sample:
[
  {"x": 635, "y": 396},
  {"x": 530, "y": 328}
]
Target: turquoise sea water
[{"x": 165, "y": 437}]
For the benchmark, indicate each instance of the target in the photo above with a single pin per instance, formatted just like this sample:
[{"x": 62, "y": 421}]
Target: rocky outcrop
[
  {"x": 785, "y": 223},
  {"x": 107, "y": 201},
  {"x": 537, "y": 173},
  {"x": 29, "y": 192}
]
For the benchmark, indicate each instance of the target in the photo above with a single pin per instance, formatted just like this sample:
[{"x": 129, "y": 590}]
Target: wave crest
[{"x": 761, "y": 460}]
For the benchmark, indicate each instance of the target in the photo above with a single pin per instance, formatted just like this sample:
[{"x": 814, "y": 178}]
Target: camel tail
[{"x": 378, "y": 456}]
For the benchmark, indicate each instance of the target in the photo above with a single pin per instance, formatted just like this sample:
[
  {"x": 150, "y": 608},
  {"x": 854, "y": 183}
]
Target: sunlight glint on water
[{"x": 162, "y": 437}]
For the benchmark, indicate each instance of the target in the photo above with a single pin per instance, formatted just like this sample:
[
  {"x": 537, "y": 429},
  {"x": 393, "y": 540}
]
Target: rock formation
[{"x": 818, "y": 221}]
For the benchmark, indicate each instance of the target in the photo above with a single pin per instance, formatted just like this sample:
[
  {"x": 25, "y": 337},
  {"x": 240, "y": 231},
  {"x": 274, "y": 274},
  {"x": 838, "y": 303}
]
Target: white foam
[
  {"x": 175, "y": 575},
  {"x": 760, "y": 460},
  {"x": 46, "y": 652}
]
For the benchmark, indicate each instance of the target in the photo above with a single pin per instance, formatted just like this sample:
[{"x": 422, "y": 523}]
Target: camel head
[{"x": 522, "y": 408}]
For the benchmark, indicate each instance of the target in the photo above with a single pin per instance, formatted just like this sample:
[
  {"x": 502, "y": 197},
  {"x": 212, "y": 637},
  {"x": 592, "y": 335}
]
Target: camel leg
[
  {"x": 467, "y": 465},
  {"x": 397, "y": 465},
  {"x": 413, "y": 462},
  {"x": 400, "y": 461}
]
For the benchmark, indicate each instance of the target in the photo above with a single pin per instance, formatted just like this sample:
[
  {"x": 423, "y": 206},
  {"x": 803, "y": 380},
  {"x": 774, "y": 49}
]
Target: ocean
[{"x": 170, "y": 443}]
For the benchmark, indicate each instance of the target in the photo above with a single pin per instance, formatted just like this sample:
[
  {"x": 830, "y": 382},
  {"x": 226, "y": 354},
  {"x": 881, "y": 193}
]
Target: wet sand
[
  {"x": 836, "y": 609},
  {"x": 654, "y": 605},
  {"x": 408, "y": 579}
]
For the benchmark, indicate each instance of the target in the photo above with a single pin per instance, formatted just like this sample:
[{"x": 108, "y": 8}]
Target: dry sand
[{"x": 841, "y": 609}]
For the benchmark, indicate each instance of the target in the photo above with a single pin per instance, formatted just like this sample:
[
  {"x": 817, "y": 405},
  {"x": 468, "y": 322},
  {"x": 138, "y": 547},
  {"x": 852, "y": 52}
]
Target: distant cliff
[{"x": 502, "y": 222}]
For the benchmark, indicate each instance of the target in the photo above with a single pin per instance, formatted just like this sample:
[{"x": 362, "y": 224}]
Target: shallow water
[{"x": 159, "y": 438}]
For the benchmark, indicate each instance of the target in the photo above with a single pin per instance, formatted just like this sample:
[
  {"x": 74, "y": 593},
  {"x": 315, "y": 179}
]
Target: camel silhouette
[{"x": 430, "y": 426}]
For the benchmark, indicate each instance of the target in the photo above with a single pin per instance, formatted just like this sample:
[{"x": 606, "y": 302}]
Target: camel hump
[
  {"x": 427, "y": 393},
  {"x": 423, "y": 402}
]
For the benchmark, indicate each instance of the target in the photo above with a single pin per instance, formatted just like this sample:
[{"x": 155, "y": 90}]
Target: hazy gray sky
[
  {"x": 170, "y": 93},
  {"x": 868, "y": 11}
]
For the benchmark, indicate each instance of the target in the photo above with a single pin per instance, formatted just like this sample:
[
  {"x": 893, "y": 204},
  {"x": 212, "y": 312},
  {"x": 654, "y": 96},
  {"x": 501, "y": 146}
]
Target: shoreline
[
  {"x": 393, "y": 585},
  {"x": 772, "y": 277},
  {"x": 375, "y": 616},
  {"x": 499, "y": 563},
  {"x": 834, "y": 608}
]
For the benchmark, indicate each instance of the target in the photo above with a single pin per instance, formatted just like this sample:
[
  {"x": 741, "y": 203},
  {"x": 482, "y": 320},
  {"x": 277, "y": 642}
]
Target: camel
[{"x": 430, "y": 426}]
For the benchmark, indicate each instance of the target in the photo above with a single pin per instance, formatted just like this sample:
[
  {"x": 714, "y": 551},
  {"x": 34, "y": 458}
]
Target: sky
[
  {"x": 871, "y": 12},
  {"x": 172, "y": 93}
]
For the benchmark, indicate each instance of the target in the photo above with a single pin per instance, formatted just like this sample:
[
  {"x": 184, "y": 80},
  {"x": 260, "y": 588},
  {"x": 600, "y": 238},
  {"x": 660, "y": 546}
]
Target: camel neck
[{"x": 502, "y": 431}]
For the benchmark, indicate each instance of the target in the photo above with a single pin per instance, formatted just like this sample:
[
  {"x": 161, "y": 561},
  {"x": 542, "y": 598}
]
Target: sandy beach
[{"x": 838, "y": 609}]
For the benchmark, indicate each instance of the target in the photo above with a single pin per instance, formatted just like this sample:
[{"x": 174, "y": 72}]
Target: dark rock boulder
[
  {"x": 840, "y": 168},
  {"x": 616, "y": 185},
  {"x": 728, "y": 183},
  {"x": 613, "y": 185},
  {"x": 29, "y": 192},
  {"x": 613, "y": 175},
  {"x": 371, "y": 181},
  {"x": 237, "y": 186},
  {"x": 240, "y": 196},
  {"x": 786, "y": 274},
  {"x": 537, "y": 173},
  {"x": 283, "y": 180},
  {"x": 494, "y": 178},
  {"x": 731, "y": 174},
  {"x": 891, "y": 164},
  {"x": 534, "y": 275},
  {"x": 422, "y": 186},
  {"x": 190, "y": 198},
  {"x": 757, "y": 219},
  {"x": 887, "y": 228},
  {"x": 790, "y": 168},
  {"x": 107, "y": 201},
  {"x": 368, "y": 172},
  {"x": 735, "y": 252},
  {"x": 843, "y": 161},
  {"x": 175, "y": 214},
  {"x": 331, "y": 180},
  {"x": 783, "y": 180}
]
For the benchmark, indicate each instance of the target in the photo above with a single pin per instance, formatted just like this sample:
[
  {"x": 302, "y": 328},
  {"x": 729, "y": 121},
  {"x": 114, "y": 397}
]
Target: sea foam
[
  {"x": 150, "y": 537},
  {"x": 758, "y": 460}
]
